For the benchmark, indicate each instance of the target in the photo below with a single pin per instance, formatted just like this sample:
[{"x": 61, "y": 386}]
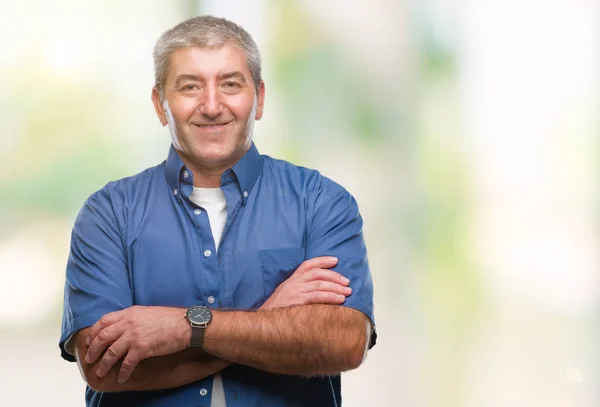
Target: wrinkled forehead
[{"x": 207, "y": 62}]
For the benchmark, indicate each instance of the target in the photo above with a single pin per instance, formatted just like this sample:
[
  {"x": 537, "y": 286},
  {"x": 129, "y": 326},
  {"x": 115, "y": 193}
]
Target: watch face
[{"x": 199, "y": 315}]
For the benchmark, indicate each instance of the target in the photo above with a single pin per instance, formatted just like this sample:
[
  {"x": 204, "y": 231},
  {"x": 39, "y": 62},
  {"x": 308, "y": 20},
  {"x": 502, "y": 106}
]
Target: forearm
[
  {"x": 163, "y": 372},
  {"x": 301, "y": 340},
  {"x": 156, "y": 373}
]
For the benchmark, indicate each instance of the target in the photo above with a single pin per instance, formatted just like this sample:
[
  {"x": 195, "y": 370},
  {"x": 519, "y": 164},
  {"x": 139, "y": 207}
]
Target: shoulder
[
  {"x": 125, "y": 188},
  {"x": 120, "y": 195},
  {"x": 325, "y": 200},
  {"x": 309, "y": 180}
]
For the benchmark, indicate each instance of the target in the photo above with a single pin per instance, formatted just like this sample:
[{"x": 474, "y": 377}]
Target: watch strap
[{"x": 197, "y": 340}]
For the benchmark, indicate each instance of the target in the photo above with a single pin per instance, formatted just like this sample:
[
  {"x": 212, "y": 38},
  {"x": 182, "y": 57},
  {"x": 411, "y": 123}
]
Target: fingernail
[
  {"x": 99, "y": 372},
  {"x": 348, "y": 289},
  {"x": 87, "y": 341},
  {"x": 333, "y": 259},
  {"x": 87, "y": 358},
  {"x": 345, "y": 280},
  {"x": 120, "y": 380}
]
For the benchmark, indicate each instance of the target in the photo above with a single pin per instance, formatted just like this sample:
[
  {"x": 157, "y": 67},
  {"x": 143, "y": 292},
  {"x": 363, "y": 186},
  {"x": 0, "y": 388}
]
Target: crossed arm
[
  {"x": 154, "y": 373},
  {"x": 300, "y": 330},
  {"x": 301, "y": 340}
]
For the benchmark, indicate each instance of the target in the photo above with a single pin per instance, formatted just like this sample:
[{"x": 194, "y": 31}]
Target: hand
[
  {"x": 311, "y": 283},
  {"x": 136, "y": 333}
]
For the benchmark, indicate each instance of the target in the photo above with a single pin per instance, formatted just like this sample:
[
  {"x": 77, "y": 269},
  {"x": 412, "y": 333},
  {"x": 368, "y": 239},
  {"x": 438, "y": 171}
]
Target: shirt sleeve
[
  {"x": 336, "y": 230},
  {"x": 97, "y": 280}
]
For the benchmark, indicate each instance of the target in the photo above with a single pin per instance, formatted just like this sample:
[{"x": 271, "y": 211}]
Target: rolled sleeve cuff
[
  {"x": 366, "y": 308},
  {"x": 75, "y": 325}
]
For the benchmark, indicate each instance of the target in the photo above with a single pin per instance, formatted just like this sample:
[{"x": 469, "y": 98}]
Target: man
[{"x": 219, "y": 277}]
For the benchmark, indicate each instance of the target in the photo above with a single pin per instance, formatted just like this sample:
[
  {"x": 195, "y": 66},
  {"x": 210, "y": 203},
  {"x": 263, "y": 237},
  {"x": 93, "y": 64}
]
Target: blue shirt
[{"x": 141, "y": 241}]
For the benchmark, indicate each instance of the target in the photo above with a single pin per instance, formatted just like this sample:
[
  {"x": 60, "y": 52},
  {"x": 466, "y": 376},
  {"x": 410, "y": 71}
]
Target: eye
[
  {"x": 189, "y": 87},
  {"x": 231, "y": 85}
]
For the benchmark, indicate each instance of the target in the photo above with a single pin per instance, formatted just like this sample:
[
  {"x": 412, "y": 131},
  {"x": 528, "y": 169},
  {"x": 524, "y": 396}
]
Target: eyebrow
[
  {"x": 187, "y": 77},
  {"x": 232, "y": 75},
  {"x": 227, "y": 75}
]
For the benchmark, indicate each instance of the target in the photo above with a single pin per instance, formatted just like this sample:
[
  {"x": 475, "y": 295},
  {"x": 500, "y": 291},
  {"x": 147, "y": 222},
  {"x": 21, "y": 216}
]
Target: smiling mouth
[{"x": 212, "y": 126}]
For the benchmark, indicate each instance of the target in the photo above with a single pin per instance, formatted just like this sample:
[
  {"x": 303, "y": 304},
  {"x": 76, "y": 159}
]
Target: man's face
[{"x": 210, "y": 105}]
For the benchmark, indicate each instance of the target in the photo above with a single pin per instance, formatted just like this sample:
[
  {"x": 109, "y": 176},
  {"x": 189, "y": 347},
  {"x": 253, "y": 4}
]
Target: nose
[{"x": 211, "y": 104}]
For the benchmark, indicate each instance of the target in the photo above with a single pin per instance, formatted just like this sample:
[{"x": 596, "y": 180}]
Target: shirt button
[
  {"x": 175, "y": 192},
  {"x": 211, "y": 300},
  {"x": 245, "y": 194},
  {"x": 197, "y": 211},
  {"x": 186, "y": 174},
  {"x": 207, "y": 253},
  {"x": 203, "y": 392}
]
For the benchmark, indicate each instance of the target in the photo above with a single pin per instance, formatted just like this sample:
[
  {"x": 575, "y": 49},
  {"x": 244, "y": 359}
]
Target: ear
[
  {"x": 158, "y": 107},
  {"x": 260, "y": 103}
]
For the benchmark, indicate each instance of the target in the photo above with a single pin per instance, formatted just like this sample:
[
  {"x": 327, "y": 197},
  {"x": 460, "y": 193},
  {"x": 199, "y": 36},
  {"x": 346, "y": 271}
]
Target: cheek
[
  {"x": 242, "y": 107},
  {"x": 183, "y": 110}
]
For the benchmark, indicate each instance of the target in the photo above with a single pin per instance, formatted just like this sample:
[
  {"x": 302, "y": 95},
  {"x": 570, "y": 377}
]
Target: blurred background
[{"x": 467, "y": 130}]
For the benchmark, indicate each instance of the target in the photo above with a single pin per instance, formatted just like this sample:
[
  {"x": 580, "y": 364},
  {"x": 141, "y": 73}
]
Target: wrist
[
  {"x": 209, "y": 333},
  {"x": 185, "y": 329}
]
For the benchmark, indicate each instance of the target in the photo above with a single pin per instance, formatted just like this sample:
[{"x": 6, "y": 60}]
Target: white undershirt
[{"x": 212, "y": 200}]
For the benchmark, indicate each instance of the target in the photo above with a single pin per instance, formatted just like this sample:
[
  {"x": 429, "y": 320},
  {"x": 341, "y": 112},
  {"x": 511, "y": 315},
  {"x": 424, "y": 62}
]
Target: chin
[{"x": 216, "y": 156}]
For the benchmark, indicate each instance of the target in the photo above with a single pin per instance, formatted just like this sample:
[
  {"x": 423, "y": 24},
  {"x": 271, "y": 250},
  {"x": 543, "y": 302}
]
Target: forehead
[{"x": 207, "y": 62}]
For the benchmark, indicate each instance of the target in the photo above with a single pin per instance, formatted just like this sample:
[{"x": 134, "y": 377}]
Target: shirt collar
[
  {"x": 173, "y": 168},
  {"x": 246, "y": 169}
]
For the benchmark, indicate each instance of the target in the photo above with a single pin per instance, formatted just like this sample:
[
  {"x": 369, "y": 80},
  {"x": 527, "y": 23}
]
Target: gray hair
[{"x": 203, "y": 32}]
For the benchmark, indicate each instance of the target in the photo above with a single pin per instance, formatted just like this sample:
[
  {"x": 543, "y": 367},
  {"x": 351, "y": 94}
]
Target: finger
[
  {"x": 106, "y": 320},
  {"x": 323, "y": 297},
  {"x": 326, "y": 286},
  {"x": 317, "y": 262},
  {"x": 114, "y": 352},
  {"x": 325, "y": 275},
  {"x": 128, "y": 366},
  {"x": 104, "y": 338}
]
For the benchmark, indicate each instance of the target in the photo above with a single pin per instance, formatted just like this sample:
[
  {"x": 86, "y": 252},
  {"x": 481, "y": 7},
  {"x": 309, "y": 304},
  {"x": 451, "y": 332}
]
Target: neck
[{"x": 203, "y": 180}]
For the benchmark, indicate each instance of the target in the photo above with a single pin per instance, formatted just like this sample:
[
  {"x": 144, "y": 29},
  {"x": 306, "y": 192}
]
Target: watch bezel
[{"x": 198, "y": 324}]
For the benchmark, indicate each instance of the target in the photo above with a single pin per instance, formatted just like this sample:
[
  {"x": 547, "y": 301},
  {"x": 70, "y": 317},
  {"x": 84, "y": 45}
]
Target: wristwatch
[{"x": 199, "y": 318}]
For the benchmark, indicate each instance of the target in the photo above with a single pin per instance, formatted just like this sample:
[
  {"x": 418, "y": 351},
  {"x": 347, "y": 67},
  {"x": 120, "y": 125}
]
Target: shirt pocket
[{"x": 278, "y": 265}]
